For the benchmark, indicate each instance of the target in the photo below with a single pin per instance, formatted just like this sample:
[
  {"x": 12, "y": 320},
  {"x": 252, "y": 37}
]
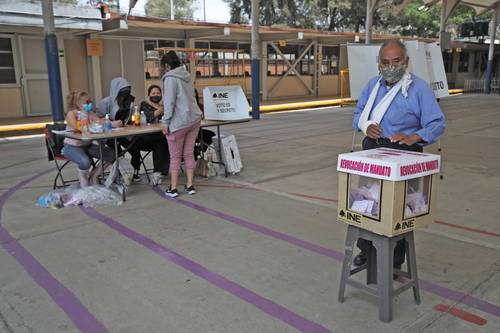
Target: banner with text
[
  {"x": 225, "y": 103},
  {"x": 426, "y": 62}
]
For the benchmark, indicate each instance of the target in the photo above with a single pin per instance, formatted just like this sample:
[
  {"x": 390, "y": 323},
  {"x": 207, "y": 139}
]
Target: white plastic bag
[
  {"x": 125, "y": 170},
  {"x": 90, "y": 196}
]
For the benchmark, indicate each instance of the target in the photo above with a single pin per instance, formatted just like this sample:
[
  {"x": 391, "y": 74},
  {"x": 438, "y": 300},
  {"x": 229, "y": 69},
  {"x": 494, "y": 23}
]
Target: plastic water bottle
[
  {"x": 107, "y": 124},
  {"x": 144, "y": 120}
]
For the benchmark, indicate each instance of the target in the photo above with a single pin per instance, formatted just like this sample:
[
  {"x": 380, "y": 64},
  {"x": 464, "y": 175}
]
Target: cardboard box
[
  {"x": 387, "y": 191},
  {"x": 230, "y": 154}
]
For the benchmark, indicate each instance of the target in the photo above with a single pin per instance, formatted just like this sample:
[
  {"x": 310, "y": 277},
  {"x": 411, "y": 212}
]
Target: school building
[{"x": 296, "y": 63}]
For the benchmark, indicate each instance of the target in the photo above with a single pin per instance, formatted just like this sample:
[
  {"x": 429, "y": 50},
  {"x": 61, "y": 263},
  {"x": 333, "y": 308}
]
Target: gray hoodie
[
  {"x": 109, "y": 105},
  {"x": 179, "y": 104}
]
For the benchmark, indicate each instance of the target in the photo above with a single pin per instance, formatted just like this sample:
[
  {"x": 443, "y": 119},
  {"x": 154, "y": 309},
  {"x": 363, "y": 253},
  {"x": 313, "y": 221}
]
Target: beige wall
[
  {"x": 76, "y": 64},
  {"x": 12, "y": 105},
  {"x": 290, "y": 86},
  {"x": 329, "y": 85}
]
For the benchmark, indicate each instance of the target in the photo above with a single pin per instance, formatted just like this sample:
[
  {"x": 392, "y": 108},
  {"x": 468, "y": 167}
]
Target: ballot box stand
[{"x": 385, "y": 194}]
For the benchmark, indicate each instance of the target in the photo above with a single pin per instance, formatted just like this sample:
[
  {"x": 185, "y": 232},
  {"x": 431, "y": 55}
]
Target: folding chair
[
  {"x": 54, "y": 146},
  {"x": 147, "y": 170}
]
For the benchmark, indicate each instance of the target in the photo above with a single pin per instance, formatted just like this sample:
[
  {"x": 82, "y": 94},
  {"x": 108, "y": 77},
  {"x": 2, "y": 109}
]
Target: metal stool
[{"x": 381, "y": 276}]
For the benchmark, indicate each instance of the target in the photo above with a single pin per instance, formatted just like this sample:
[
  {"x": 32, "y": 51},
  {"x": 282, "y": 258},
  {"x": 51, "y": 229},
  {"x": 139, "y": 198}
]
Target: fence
[{"x": 477, "y": 86}]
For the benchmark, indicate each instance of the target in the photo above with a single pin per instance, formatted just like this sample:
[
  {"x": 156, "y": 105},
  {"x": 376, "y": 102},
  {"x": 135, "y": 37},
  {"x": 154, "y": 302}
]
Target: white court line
[{"x": 21, "y": 137}]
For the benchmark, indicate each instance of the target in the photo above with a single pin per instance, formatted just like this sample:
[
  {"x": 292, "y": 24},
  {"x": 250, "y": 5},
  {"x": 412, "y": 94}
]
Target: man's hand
[
  {"x": 165, "y": 131},
  {"x": 404, "y": 139},
  {"x": 374, "y": 131}
]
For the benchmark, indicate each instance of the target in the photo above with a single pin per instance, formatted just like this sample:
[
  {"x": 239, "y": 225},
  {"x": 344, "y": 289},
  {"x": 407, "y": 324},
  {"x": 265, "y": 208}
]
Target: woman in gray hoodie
[{"x": 181, "y": 121}]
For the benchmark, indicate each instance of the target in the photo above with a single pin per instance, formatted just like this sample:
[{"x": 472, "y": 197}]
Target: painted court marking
[
  {"x": 428, "y": 286},
  {"x": 61, "y": 295},
  {"x": 305, "y": 197},
  {"x": 265, "y": 305},
  {"x": 464, "y": 315}
]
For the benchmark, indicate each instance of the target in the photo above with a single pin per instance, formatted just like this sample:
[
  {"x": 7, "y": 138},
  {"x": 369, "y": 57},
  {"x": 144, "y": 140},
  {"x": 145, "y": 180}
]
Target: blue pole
[
  {"x": 488, "y": 77},
  {"x": 54, "y": 72},
  {"x": 255, "y": 50},
  {"x": 255, "y": 89}
]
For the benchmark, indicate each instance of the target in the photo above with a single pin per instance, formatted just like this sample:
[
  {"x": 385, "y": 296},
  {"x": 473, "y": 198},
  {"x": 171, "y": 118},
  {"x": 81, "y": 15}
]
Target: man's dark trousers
[{"x": 363, "y": 244}]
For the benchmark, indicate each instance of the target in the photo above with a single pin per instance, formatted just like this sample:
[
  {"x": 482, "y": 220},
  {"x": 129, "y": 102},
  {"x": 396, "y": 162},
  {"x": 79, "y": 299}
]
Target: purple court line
[
  {"x": 424, "y": 284},
  {"x": 63, "y": 297},
  {"x": 265, "y": 305}
]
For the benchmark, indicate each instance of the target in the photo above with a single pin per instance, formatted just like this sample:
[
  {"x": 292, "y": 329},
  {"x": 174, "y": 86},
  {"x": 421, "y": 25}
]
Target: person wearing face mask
[
  {"x": 157, "y": 143},
  {"x": 119, "y": 101},
  {"x": 118, "y": 105},
  {"x": 398, "y": 110},
  {"x": 153, "y": 106},
  {"x": 181, "y": 121},
  {"x": 82, "y": 152}
]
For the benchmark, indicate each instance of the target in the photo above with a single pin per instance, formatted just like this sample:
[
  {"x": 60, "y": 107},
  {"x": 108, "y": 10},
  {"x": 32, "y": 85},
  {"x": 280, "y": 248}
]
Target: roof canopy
[{"x": 480, "y": 6}]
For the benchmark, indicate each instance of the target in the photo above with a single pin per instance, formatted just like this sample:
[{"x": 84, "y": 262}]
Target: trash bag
[
  {"x": 90, "y": 196},
  {"x": 125, "y": 170},
  {"x": 52, "y": 199}
]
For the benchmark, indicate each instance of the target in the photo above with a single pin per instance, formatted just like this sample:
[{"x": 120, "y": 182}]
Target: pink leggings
[{"x": 181, "y": 145}]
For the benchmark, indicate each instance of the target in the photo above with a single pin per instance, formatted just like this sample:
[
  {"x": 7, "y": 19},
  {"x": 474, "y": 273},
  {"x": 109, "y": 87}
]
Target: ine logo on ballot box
[
  {"x": 225, "y": 103},
  {"x": 387, "y": 191}
]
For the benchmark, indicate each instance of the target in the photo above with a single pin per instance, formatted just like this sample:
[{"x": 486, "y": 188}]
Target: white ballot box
[{"x": 387, "y": 191}]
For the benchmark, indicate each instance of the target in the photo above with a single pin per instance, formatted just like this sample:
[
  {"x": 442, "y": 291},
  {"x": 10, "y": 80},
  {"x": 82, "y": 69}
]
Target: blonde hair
[{"x": 75, "y": 97}]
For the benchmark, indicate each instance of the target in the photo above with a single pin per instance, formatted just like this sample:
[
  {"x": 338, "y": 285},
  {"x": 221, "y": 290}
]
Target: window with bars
[
  {"x": 152, "y": 56},
  {"x": 330, "y": 62},
  {"x": 7, "y": 68}
]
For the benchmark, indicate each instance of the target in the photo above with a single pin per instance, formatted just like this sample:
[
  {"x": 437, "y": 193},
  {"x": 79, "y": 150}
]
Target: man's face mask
[
  {"x": 124, "y": 98},
  {"x": 155, "y": 99},
  {"x": 393, "y": 74}
]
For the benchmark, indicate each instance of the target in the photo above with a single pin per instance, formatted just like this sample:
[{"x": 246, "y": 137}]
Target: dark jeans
[
  {"x": 82, "y": 155},
  {"x": 157, "y": 143},
  {"x": 363, "y": 244}
]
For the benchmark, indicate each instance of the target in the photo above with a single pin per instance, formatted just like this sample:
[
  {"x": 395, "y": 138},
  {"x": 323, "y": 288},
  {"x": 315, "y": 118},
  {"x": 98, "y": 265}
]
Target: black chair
[
  {"x": 144, "y": 154},
  {"x": 54, "y": 144}
]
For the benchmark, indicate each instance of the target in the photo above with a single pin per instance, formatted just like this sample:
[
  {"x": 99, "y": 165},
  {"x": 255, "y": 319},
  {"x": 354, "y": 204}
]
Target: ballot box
[{"x": 387, "y": 191}]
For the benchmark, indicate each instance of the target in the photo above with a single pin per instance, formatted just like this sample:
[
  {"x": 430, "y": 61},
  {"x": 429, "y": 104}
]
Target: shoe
[
  {"x": 190, "y": 190},
  {"x": 156, "y": 179},
  {"x": 173, "y": 193},
  {"x": 136, "y": 177},
  {"x": 360, "y": 259}
]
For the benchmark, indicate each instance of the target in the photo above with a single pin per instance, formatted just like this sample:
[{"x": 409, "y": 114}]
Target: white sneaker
[{"x": 156, "y": 178}]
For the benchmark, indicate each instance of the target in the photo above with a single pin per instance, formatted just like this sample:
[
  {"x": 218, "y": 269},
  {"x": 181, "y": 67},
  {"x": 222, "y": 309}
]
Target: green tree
[
  {"x": 401, "y": 17},
  {"x": 415, "y": 20},
  {"x": 183, "y": 9}
]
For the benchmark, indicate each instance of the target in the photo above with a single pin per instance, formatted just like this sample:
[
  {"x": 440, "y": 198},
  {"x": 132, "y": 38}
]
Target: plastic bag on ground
[{"x": 90, "y": 196}]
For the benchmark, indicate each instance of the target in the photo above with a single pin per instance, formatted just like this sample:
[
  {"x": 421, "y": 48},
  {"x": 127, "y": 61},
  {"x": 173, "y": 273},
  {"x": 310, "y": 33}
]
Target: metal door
[{"x": 34, "y": 76}]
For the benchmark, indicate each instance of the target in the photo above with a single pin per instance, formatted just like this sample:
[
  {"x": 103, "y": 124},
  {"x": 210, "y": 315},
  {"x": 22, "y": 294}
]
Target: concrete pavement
[{"x": 256, "y": 252}]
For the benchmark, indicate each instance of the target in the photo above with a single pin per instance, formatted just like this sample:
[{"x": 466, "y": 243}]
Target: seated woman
[
  {"x": 157, "y": 143},
  {"x": 82, "y": 152}
]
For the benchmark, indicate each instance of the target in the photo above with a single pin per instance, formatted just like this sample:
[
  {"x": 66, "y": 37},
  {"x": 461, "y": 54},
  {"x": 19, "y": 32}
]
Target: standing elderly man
[{"x": 396, "y": 110}]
